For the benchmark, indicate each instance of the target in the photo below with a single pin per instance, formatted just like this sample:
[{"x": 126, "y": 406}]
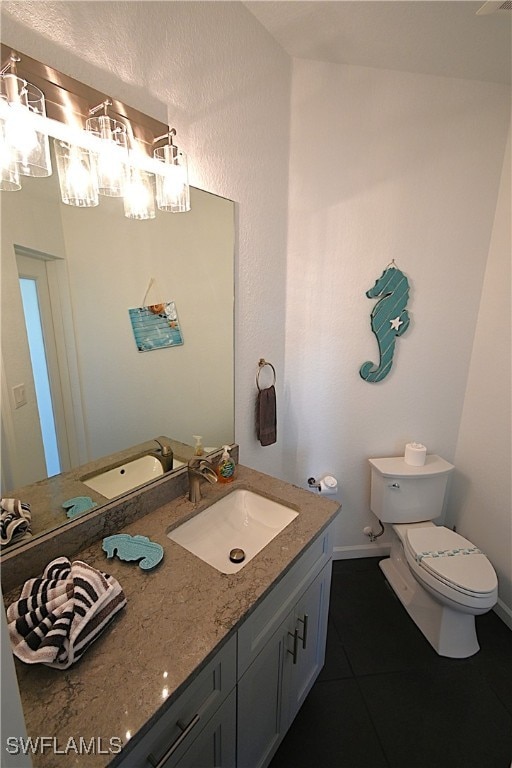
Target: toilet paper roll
[
  {"x": 328, "y": 485},
  {"x": 415, "y": 454}
]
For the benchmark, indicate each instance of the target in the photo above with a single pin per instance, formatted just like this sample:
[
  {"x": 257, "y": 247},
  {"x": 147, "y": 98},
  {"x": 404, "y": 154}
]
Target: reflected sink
[
  {"x": 126, "y": 477},
  {"x": 240, "y": 520}
]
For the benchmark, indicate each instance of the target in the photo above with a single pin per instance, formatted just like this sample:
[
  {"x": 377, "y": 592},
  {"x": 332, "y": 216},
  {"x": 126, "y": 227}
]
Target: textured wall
[
  {"x": 481, "y": 503},
  {"x": 384, "y": 165},
  {"x": 225, "y": 85}
]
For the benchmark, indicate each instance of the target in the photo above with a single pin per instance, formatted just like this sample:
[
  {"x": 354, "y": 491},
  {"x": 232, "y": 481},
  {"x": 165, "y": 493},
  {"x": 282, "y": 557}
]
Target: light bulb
[
  {"x": 18, "y": 133},
  {"x": 78, "y": 178},
  {"x": 139, "y": 202},
  {"x": 77, "y": 175}
]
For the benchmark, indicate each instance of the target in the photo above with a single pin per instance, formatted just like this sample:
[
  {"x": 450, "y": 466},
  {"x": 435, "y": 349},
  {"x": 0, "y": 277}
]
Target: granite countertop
[
  {"x": 47, "y": 496},
  {"x": 176, "y": 618}
]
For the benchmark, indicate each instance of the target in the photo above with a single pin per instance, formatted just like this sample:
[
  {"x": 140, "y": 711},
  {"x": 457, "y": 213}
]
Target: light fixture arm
[
  {"x": 10, "y": 64},
  {"x": 170, "y": 133},
  {"x": 104, "y": 106}
]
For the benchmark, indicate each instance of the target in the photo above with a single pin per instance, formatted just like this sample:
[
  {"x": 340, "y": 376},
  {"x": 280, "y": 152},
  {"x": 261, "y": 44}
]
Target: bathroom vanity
[{"x": 201, "y": 668}]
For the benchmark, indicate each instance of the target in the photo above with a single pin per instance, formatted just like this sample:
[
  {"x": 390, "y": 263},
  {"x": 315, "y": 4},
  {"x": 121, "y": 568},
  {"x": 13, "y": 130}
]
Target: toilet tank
[{"x": 401, "y": 493}]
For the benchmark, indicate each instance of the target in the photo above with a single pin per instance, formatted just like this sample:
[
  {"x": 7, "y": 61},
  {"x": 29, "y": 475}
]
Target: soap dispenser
[
  {"x": 198, "y": 448},
  {"x": 226, "y": 467}
]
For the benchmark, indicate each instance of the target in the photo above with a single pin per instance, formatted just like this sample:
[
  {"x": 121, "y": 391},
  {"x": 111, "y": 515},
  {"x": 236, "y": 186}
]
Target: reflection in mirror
[{"x": 76, "y": 390}]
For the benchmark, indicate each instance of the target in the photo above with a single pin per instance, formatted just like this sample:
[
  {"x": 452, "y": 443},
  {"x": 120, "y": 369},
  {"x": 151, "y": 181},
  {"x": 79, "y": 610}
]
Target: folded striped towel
[
  {"x": 15, "y": 521},
  {"x": 60, "y": 614}
]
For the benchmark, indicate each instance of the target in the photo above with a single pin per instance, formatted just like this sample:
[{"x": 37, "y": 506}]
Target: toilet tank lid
[{"x": 397, "y": 467}]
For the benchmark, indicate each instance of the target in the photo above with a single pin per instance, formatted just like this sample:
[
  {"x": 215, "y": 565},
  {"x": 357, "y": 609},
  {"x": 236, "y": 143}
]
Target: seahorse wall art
[{"x": 389, "y": 319}]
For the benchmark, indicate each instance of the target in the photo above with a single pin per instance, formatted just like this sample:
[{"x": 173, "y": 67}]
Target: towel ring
[{"x": 262, "y": 363}]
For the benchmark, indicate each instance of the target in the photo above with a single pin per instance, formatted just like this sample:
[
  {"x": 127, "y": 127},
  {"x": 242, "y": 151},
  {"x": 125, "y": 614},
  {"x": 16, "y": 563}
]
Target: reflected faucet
[
  {"x": 165, "y": 454},
  {"x": 199, "y": 469}
]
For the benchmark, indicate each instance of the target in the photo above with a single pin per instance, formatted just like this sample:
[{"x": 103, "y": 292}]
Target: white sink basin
[
  {"x": 241, "y": 520},
  {"x": 115, "y": 482}
]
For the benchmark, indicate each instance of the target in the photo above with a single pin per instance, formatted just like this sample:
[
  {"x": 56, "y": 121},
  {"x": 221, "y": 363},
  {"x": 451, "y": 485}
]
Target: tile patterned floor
[{"x": 385, "y": 699}]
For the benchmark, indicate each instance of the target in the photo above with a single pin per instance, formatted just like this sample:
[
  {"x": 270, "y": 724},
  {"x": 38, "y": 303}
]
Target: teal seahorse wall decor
[{"x": 389, "y": 319}]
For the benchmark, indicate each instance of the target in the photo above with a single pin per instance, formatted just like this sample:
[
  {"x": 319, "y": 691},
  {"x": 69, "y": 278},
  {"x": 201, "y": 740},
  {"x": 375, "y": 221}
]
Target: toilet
[{"x": 441, "y": 578}]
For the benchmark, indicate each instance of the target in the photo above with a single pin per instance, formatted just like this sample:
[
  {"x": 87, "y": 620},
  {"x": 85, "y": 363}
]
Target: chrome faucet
[
  {"x": 199, "y": 469},
  {"x": 165, "y": 454}
]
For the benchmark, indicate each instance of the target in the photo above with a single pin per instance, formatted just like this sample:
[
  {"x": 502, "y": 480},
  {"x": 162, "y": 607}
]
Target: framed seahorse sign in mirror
[{"x": 389, "y": 319}]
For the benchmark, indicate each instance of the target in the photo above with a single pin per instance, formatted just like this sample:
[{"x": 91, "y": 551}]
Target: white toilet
[{"x": 441, "y": 578}]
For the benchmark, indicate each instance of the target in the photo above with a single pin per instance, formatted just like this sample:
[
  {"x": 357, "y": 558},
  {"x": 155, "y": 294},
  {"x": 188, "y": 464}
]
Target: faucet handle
[
  {"x": 165, "y": 447},
  {"x": 199, "y": 463}
]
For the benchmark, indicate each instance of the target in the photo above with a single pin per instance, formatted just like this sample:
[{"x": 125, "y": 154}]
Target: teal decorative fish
[
  {"x": 134, "y": 548},
  {"x": 389, "y": 319},
  {"x": 78, "y": 505}
]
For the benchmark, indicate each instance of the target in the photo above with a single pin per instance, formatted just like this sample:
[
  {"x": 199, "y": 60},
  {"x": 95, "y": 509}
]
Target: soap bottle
[
  {"x": 198, "y": 448},
  {"x": 226, "y": 467}
]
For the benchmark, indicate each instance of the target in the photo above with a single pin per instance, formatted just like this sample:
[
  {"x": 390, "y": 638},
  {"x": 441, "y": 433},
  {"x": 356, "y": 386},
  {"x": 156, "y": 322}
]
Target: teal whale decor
[
  {"x": 389, "y": 319},
  {"x": 134, "y": 548}
]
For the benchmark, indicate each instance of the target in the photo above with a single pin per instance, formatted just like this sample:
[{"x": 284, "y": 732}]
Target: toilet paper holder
[{"x": 325, "y": 484}]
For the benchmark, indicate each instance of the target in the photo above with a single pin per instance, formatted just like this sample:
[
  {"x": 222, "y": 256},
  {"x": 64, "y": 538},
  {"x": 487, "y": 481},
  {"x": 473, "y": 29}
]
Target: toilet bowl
[{"x": 442, "y": 579}]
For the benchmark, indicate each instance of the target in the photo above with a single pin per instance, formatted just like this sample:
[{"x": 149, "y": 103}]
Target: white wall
[
  {"x": 37, "y": 227},
  {"x": 383, "y": 165},
  {"x": 480, "y": 506},
  {"x": 226, "y": 85}
]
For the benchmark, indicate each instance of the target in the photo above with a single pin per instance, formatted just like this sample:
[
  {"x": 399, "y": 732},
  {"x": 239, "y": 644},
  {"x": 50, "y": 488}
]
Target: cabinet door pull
[
  {"x": 295, "y": 636},
  {"x": 304, "y": 637},
  {"x": 185, "y": 730}
]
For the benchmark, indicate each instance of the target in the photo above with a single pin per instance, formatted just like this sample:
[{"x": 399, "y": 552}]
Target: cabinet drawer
[
  {"x": 177, "y": 728},
  {"x": 265, "y": 620}
]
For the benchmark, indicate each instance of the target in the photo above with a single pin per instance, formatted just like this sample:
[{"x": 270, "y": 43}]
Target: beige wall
[{"x": 481, "y": 505}]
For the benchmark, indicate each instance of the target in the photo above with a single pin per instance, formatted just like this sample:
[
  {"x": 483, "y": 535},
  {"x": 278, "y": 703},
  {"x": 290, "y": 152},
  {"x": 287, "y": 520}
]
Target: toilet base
[{"x": 451, "y": 633}]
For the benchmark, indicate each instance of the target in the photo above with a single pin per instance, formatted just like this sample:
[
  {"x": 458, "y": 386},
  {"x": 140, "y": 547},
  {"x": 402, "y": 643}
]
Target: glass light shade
[
  {"x": 172, "y": 188},
  {"x": 139, "y": 198},
  {"x": 77, "y": 175},
  {"x": 10, "y": 175},
  {"x": 112, "y": 155},
  {"x": 29, "y": 148}
]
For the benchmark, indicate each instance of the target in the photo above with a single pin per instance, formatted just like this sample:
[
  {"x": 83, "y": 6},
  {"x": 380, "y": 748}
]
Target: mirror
[{"x": 108, "y": 399}]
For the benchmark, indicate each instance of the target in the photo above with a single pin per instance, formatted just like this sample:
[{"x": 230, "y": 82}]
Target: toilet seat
[{"x": 451, "y": 565}]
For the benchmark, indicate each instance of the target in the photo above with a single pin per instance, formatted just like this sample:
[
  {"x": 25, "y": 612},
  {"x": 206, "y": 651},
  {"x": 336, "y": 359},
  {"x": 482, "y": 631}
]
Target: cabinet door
[
  {"x": 260, "y": 706},
  {"x": 215, "y": 745},
  {"x": 309, "y": 628},
  {"x": 175, "y": 731}
]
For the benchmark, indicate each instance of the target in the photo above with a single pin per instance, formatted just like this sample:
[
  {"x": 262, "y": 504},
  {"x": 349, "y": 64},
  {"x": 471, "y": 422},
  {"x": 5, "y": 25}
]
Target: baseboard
[
  {"x": 505, "y": 614},
  {"x": 361, "y": 550}
]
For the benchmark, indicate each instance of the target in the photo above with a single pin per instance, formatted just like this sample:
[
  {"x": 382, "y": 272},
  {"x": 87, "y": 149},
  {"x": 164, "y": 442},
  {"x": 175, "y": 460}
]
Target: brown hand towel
[{"x": 266, "y": 420}]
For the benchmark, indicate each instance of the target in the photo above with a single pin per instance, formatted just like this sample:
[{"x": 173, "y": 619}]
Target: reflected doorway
[{"x": 41, "y": 307}]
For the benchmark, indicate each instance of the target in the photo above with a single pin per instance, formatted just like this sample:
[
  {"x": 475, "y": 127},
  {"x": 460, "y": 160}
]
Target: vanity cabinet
[
  {"x": 239, "y": 707},
  {"x": 272, "y": 689},
  {"x": 196, "y": 724}
]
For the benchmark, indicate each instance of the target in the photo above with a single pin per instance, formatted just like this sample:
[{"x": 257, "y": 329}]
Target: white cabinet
[
  {"x": 190, "y": 719},
  {"x": 308, "y": 639},
  {"x": 215, "y": 745},
  {"x": 281, "y": 650},
  {"x": 276, "y": 683},
  {"x": 236, "y": 711}
]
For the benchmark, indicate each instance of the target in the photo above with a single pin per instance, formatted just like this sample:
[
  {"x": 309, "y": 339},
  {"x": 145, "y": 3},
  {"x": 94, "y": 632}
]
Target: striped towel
[
  {"x": 15, "y": 521},
  {"x": 59, "y": 615}
]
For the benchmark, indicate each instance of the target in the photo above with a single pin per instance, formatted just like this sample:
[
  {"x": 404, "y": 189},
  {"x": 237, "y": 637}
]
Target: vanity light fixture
[
  {"x": 110, "y": 157},
  {"x": 23, "y": 146},
  {"x": 113, "y": 150},
  {"x": 172, "y": 187}
]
